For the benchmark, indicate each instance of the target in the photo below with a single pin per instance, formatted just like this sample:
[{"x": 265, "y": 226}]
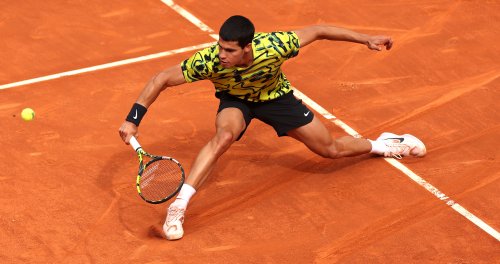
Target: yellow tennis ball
[{"x": 28, "y": 114}]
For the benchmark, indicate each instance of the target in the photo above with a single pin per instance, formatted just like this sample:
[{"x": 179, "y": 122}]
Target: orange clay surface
[{"x": 67, "y": 181}]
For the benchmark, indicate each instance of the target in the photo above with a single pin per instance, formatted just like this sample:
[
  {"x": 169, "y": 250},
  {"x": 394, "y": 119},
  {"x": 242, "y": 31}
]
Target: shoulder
[
  {"x": 207, "y": 54},
  {"x": 202, "y": 58},
  {"x": 285, "y": 43},
  {"x": 201, "y": 64},
  {"x": 276, "y": 37}
]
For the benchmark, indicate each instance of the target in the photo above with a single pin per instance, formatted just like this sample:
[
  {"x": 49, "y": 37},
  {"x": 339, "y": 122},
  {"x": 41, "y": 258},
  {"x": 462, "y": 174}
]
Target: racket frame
[{"x": 140, "y": 153}]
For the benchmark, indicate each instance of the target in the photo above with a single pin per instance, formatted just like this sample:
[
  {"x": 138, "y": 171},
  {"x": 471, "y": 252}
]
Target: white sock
[
  {"x": 182, "y": 200},
  {"x": 378, "y": 147}
]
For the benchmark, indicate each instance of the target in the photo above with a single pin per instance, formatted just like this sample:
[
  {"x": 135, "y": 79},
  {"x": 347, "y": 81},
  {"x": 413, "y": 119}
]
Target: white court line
[
  {"x": 398, "y": 165},
  {"x": 105, "y": 66},
  {"x": 183, "y": 12}
]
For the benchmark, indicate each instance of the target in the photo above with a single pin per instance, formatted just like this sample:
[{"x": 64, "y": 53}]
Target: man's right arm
[
  {"x": 170, "y": 77},
  {"x": 167, "y": 78}
]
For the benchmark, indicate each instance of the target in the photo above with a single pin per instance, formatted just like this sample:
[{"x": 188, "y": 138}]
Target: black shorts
[{"x": 283, "y": 113}]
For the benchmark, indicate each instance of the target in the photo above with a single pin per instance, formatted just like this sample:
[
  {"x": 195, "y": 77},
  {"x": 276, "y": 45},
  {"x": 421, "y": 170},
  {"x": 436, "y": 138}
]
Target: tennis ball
[{"x": 28, "y": 114}]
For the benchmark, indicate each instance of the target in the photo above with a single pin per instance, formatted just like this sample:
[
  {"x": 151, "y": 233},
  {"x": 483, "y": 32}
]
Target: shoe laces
[
  {"x": 174, "y": 214},
  {"x": 396, "y": 150}
]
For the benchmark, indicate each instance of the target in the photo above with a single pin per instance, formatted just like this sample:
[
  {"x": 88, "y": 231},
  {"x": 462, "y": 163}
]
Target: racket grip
[{"x": 134, "y": 143}]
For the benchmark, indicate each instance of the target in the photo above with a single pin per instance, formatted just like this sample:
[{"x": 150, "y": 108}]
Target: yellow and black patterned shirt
[{"x": 261, "y": 81}]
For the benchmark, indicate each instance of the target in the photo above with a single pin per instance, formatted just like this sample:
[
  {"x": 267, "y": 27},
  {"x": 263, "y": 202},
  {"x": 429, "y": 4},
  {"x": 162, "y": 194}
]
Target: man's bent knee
[
  {"x": 329, "y": 152},
  {"x": 223, "y": 140},
  {"x": 333, "y": 153}
]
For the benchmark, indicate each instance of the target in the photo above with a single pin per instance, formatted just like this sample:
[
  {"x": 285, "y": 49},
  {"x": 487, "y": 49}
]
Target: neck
[{"x": 247, "y": 59}]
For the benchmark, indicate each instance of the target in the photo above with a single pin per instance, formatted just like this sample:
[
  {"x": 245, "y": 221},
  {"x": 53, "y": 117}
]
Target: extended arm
[
  {"x": 167, "y": 78},
  {"x": 310, "y": 34}
]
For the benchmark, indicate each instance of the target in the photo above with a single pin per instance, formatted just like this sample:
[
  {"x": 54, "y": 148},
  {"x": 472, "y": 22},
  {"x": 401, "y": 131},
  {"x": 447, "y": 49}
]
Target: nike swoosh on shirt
[{"x": 306, "y": 114}]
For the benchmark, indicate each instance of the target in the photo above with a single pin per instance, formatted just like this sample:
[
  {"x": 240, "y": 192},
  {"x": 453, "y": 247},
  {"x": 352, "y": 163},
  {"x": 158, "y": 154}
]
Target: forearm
[
  {"x": 153, "y": 88},
  {"x": 341, "y": 34},
  {"x": 146, "y": 98}
]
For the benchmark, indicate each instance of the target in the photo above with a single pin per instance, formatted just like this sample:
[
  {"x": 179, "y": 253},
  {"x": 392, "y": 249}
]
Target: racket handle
[{"x": 134, "y": 143}]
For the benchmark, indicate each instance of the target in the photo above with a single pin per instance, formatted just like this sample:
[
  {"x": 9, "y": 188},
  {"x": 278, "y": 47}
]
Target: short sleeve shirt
[{"x": 261, "y": 81}]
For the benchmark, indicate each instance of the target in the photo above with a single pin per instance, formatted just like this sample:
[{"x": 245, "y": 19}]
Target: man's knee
[
  {"x": 330, "y": 151},
  {"x": 223, "y": 140},
  {"x": 225, "y": 137},
  {"x": 333, "y": 153}
]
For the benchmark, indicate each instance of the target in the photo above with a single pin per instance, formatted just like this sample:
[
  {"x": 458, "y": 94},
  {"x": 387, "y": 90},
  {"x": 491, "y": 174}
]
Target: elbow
[
  {"x": 160, "y": 81},
  {"x": 321, "y": 31}
]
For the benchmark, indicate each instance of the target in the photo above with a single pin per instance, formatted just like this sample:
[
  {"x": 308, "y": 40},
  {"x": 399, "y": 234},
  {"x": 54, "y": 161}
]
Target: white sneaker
[
  {"x": 173, "y": 225},
  {"x": 400, "y": 146}
]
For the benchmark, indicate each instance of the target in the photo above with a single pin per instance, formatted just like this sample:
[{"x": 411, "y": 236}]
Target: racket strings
[{"x": 160, "y": 179}]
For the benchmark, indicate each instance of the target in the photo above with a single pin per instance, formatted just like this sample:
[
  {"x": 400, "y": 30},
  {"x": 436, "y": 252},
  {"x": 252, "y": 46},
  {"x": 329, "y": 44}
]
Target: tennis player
[{"x": 245, "y": 68}]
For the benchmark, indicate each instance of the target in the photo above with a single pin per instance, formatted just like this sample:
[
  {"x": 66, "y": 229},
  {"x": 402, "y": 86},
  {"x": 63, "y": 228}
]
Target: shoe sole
[{"x": 172, "y": 238}]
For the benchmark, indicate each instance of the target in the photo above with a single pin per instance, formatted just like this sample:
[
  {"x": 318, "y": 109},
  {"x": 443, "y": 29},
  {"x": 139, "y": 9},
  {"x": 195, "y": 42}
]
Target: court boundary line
[
  {"x": 396, "y": 164},
  {"x": 412, "y": 175},
  {"x": 105, "y": 66}
]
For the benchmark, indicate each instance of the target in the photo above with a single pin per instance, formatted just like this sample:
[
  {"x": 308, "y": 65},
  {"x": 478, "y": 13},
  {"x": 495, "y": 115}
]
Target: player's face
[{"x": 231, "y": 54}]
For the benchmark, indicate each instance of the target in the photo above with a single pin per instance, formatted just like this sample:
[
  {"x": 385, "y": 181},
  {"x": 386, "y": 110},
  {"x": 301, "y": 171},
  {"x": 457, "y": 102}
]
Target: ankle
[
  {"x": 182, "y": 200},
  {"x": 378, "y": 147},
  {"x": 179, "y": 203}
]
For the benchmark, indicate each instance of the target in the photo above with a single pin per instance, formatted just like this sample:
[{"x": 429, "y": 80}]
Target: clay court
[{"x": 68, "y": 181}]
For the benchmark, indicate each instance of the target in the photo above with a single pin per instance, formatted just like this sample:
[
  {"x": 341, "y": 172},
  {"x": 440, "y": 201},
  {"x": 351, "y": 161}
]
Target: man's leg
[
  {"x": 318, "y": 139},
  {"x": 229, "y": 125}
]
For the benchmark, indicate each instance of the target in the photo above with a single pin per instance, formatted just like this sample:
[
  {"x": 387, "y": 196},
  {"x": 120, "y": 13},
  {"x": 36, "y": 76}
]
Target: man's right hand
[{"x": 127, "y": 130}]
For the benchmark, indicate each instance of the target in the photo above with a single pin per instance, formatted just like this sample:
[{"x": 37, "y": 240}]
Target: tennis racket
[{"x": 160, "y": 178}]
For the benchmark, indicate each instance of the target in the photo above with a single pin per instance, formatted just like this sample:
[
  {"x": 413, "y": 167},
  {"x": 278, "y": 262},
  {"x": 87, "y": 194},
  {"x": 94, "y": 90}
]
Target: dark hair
[{"x": 237, "y": 28}]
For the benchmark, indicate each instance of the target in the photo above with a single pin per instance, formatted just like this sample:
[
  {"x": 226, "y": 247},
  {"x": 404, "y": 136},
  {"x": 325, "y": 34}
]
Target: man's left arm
[{"x": 310, "y": 34}]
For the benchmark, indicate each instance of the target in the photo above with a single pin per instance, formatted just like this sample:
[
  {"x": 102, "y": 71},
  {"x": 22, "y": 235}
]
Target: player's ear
[{"x": 248, "y": 47}]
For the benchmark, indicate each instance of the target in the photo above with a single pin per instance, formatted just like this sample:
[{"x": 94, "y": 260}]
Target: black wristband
[{"x": 136, "y": 114}]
